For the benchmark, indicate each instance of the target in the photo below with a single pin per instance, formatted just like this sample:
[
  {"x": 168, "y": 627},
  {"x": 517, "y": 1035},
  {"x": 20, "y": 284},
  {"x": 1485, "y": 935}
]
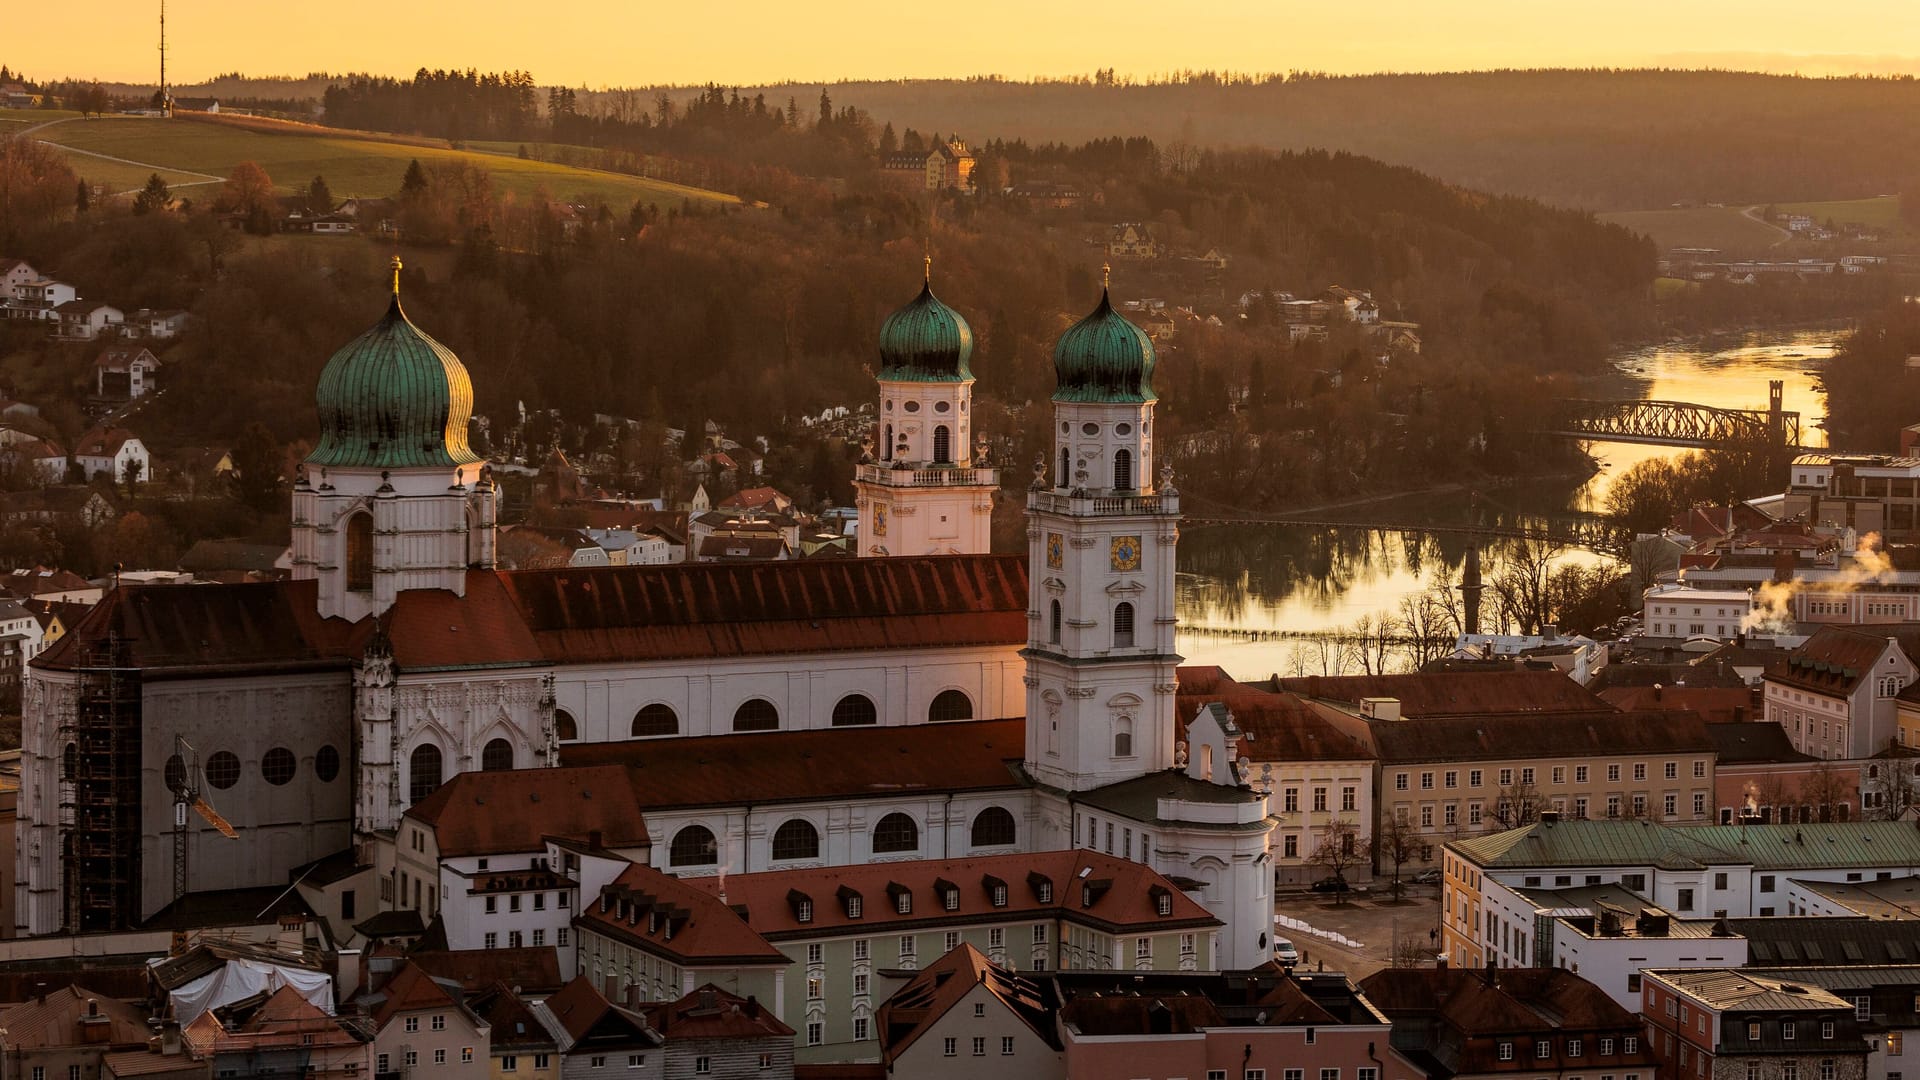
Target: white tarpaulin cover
[{"x": 239, "y": 978}]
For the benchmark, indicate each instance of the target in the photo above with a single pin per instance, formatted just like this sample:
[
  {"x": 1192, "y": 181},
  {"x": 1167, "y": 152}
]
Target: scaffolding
[{"x": 99, "y": 728}]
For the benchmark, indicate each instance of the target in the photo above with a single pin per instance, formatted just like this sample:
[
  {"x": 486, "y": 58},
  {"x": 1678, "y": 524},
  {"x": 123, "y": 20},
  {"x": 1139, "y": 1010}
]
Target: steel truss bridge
[{"x": 1676, "y": 423}]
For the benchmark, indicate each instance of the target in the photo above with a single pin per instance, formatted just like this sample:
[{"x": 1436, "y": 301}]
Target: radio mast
[{"x": 166, "y": 99}]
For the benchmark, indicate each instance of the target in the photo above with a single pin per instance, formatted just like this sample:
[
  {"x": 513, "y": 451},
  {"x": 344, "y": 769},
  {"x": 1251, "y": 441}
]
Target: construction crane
[{"x": 185, "y": 784}]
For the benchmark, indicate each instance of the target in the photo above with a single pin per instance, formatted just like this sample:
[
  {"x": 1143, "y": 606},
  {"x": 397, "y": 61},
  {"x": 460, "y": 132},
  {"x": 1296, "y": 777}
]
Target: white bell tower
[
  {"x": 1101, "y": 536},
  {"x": 924, "y": 489}
]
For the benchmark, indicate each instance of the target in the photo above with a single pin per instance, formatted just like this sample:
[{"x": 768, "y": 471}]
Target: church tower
[
  {"x": 1101, "y": 536},
  {"x": 392, "y": 498},
  {"x": 921, "y": 492}
]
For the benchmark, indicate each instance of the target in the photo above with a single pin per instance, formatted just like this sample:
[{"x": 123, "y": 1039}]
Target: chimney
[
  {"x": 170, "y": 1036},
  {"x": 1487, "y": 973},
  {"x": 350, "y": 973},
  {"x": 1549, "y": 817},
  {"x": 1658, "y": 691},
  {"x": 753, "y": 1006},
  {"x": 1550, "y": 631},
  {"x": 1440, "y": 962},
  {"x": 593, "y": 839}
]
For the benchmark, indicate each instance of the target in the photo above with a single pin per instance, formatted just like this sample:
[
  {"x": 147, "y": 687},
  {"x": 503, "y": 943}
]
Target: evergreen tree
[
  {"x": 82, "y": 198},
  {"x": 888, "y": 142},
  {"x": 826, "y": 111},
  {"x": 414, "y": 184},
  {"x": 155, "y": 196},
  {"x": 319, "y": 196}
]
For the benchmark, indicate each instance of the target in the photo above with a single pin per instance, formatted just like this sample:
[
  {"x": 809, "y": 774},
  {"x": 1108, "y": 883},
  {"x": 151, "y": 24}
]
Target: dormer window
[
  {"x": 803, "y": 911},
  {"x": 853, "y": 907},
  {"x": 999, "y": 896},
  {"x": 953, "y": 900},
  {"x": 1163, "y": 904},
  {"x": 903, "y": 903}
]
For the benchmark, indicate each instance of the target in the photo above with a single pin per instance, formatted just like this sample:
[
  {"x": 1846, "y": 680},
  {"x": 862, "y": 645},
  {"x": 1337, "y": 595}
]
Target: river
[{"x": 1266, "y": 578}]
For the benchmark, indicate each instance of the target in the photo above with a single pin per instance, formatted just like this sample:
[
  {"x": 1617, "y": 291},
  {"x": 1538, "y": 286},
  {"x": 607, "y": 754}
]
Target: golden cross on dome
[
  {"x": 1106, "y": 275},
  {"x": 929, "y": 260},
  {"x": 396, "y": 275}
]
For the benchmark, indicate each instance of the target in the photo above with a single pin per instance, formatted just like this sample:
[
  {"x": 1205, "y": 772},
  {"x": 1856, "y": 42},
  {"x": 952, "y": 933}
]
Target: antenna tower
[{"x": 166, "y": 99}]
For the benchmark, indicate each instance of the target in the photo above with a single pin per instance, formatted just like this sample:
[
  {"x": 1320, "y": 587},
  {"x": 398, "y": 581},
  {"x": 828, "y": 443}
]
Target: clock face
[
  {"x": 1126, "y": 553},
  {"x": 880, "y": 519},
  {"x": 1056, "y": 553}
]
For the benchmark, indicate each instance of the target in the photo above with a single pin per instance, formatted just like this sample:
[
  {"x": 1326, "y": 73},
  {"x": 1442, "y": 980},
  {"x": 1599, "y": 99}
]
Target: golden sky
[{"x": 643, "y": 42}]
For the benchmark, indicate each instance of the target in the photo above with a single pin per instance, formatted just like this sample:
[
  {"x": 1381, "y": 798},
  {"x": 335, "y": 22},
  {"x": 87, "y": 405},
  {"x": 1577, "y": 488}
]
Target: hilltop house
[
  {"x": 124, "y": 372},
  {"x": 85, "y": 320},
  {"x": 946, "y": 166},
  {"x": 115, "y": 453},
  {"x": 1132, "y": 240}
]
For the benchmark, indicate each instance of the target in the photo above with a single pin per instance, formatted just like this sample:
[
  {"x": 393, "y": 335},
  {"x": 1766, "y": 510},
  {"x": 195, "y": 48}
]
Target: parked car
[
  {"x": 1284, "y": 952},
  {"x": 1332, "y": 885},
  {"x": 1426, "y": 877}
]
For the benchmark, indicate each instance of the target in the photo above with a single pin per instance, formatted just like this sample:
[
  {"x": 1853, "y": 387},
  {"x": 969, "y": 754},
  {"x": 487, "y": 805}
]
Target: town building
[
  {"x": 125, "y": 372},
  {"x": 1835, "y": 695},
  {"x": 1509, "y": 1021},
  {"x": 1677, "y": 612},
  {"x": 965, "y": 999},
  {"x": 1728, "y": 1025},
  {"x": 1886, "y": 1004},
  {"x": 800, "y": 939},
  {"x": 115, "y": 454},
  {"x": 1607, "y": 935},
  {"x": 922, "y": 492},
  {"x": 40, "y": 299},
  {"x": 518, "y": 1042},
  {"x": 710, "y": 1032},
  {"x": 1488, "y": 913},
  {"x": 947, "y": 165},
  {"x": 1131, "y": 240},
  {"x": 281, "y": 1033},
  {"x": 88, "y": 320},
  {"x": 67, "y": 1032},
  {"x": 595, "y": 1035},
  {"x": 420, "y": 1024}
]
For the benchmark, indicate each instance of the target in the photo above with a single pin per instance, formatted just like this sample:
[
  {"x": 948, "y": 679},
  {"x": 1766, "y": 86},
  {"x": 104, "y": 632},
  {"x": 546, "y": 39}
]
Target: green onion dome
[
  {"x": 1104, "y": 359},
  {"x": 394, "y": 398},
  {"x": 926, "y": 341}
]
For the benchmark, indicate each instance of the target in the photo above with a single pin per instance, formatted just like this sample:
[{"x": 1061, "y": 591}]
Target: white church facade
[{"x": 931, "y": 700}]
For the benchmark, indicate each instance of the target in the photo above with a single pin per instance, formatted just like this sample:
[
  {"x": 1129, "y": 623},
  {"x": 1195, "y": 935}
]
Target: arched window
[
  {"x": 855, "y": 710},
  {"x": 326, "y": 764},
  {"x": 896, "y": 832},
  {"x": 1123, "y": 625},
  {"x": 564, "y": 728},
  {"x": 1066, "y": 468},
  {"x": 992, "y": 827},
  {"x": 1053, "y": 622},
  {"x": 360, "y": 552},
  {"x": 950, "y": 705},
  {"x": 1123, "y": 738},
  {"x": 886, "y": 449},
  {"x": 655, "y": 719},
  {"x": 1123, "y": 470},
  {"x": 756, "y": 714},
  {"x": 423, "y": 772},
  {"x": 942, "y": 445},
  {"x": 496, "y": 756},
  {"x": 693, "y": 846},
  {"x": 796, "y": 839}
]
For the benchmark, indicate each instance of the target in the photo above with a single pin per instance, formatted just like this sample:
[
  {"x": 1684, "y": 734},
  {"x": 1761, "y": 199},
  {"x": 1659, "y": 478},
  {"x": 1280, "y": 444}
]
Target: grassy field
[
  {"x": 1882, "y": 212},
  {"x": 353, "y": 164},
  {"x": 1723, "y": 227}
]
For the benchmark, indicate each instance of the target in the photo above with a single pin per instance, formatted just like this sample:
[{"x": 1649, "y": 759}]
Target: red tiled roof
[
  {"x": 581, "y": 1009},
  {"x": 1836, "y": 658},
  {"x": 209, "y": 629},
  {"x": 788, "y": 766},
  {"x": 494, "y": 813},
  {"x": 609, "y": 614},
  {"x": 1126, "y": 902},
  {"x": 1525, "y": 1002},
  {"x": 755, "y": 498},
  {"x": 915, "y": 1008},
  {"x": 1279, "y": 726},
  {"x": 532, "y": 969},
  {"x": 1455, "y": 693},
  {"x": 54, "y": 1019},
  {"x": 102, "y": 442},
  {"x": 694, "y": 927},
  {"x": 1714, "y": 704},
  {"x": 410, "y": 989},
  {"x": 514, "y": 1025},
  {"x": 1544, "y": 735},
  {"x": 712, "y": 1013}
]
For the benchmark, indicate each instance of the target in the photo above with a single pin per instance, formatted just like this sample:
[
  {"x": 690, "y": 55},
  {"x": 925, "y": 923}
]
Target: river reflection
[{"x": 1297, "y": 579}]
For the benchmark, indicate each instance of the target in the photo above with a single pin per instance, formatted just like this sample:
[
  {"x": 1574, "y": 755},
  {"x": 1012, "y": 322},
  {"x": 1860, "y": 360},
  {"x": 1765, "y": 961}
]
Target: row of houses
[{"x": 27, "y": 294}]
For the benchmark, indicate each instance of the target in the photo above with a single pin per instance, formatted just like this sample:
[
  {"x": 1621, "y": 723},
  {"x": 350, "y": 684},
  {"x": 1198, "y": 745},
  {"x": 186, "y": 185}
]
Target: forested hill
[{"x": 1596, "y": 139}]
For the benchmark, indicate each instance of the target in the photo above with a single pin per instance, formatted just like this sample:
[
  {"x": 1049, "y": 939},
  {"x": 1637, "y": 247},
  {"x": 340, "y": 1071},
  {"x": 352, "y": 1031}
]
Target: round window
[
  {"x": 889, "y": 405},
  {"x": 941, "y": 406},
  {"x": 326, "y": 764},
  {"x": 1066, "y": 428},
  {"x": 223, "y": 770},
  {"x": 1123, "y": 429},
  {"x": 912, "y": 406},
  {"x": 1090, "y": 429},
  {"x": 278, "y": 766}
]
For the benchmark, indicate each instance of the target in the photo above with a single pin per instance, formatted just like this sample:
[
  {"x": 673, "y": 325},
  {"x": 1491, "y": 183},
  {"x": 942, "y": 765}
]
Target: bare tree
[
  {"x": 1522, "y": 586},
  {"x": 1340, "y": 848},
  {"x": 1889, "y": 791},
  {"x": 1824, "y": 791},
  {"x": 1517, "y": 804},
  {"x": 1770, "y": 795},
  {"x": 1372, "y": 641},
  {"x": 1399, "y": 843},
  {"x": 1428, "y": 629}
]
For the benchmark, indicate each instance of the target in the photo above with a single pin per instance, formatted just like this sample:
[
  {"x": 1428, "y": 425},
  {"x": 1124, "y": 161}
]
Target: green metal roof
[
  {"x": 1104, "y": 359},
  {"x": 926, "y": 341},
  {"x": 394, "y": 398},
  {"x": 1615, "y": 842}
]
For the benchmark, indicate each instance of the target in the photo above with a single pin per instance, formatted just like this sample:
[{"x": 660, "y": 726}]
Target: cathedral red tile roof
[
  {"x": 694, "y": 927},
  {"x": 791, "y": 766},
  {"x": 209, "y": 629},
  {"x": 495, "y": 813}
]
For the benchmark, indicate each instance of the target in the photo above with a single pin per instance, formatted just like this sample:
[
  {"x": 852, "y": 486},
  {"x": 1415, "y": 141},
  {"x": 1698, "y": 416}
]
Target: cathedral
[{"x": 182, "y": 740}]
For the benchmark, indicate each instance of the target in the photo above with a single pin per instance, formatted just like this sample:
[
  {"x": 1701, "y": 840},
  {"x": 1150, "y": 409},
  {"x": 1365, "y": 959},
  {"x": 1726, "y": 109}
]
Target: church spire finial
[
  {"x": 396, "y": 276},
  {"x": 1106, "y": 276},
  {"x": 929, "y": 265}
]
